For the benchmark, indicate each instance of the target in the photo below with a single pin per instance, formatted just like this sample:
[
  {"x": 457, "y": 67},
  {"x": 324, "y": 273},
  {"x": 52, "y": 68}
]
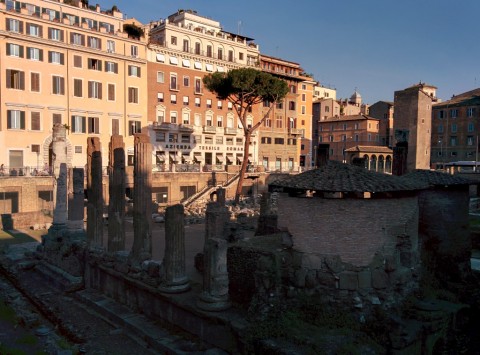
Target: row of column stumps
[{"x": 214, "y": 296}]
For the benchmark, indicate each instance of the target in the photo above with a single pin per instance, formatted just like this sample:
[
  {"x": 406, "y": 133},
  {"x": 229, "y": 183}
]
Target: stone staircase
[{"x": 209, "y": 189}]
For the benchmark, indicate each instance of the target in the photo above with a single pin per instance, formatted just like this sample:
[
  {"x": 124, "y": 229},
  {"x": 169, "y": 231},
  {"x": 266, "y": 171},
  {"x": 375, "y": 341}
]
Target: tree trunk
[{"x": 243, "y": 169}]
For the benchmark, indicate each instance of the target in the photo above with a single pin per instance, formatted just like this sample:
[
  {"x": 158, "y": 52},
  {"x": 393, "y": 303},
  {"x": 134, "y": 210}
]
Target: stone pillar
[
  {"x": 142, "y": 199},
  {"x": 215, "y": 276},
  {"x": 216, "y": 217},
  {"x": 76, "y": 201},
  {"x": 268, "y": 219},
  {"x": 60, "y": 211},
  {"x": 175, "y": 280},
  {"x": 116, "y": 191},
  {"x": 59, "y": 147},
  {"x": 95, "y": 193}
]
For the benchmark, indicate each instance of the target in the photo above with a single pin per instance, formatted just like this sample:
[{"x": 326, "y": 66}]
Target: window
[
  {"x": 173, "y": 98},
  {"x": 357, "y": 138},
  {"x": 134, "y": 51},
  {"x": 34, "y": 54},
  {"x": 35, "y": 82},
  {"x": 134, "y": 127},
  {"x": 14, "y": 50},
  {"x": 173, "y": 117},
  {"x": 330, "y": 138},
  {"x": 279, "y": 141},
  {"x": 230, "y": 56},
  {"x": 110, "y": 46},
  {"x": 57, "y": 118},
  {"x": 240, "y": 56},
  {"x": 209, "y": 120},
  {"x": 209, "y": 103},
  {"x": 185, "y": 101},
  {"x": 185, "y": 138},
  {"x": 77, "y": 61},
  {"x": 94, "y": 64},
  {"x": 15, "y": 119},
  {"x": 239, "y": 140},
  {"x": 186, "y": 118},
  {"x": 160, "y": 77},
  {"x": 291, "y": 105},
  {"x": 453, "y": 141},
  {"x": 94, "y": 42},
  {"x": 160, "y": 97},
  {"x": 369, "y": 137},
  {"x": 186, "y": 81},
  {"x": 471, "y": 127},
  {"x": 93, "y": 125},
  {"x": 58, "y": 85},
  {"x": 133, "y": 95},
  {"x": 304, "y": 110},
  {"x": 229, "y": 141},
  {"x": 35, "y": 121},
  {"x": 160, "y": 136},
  {"x": 173, "y": 82},
  {"x": 186, "y": 45},
  {"x": 133, "y": 70},
  {"x": 14, "y": 25},
  {"x": 440, "y": 129},
  {"x": 219, "y": 105},
  {"x": 441, "y": 114},
  {"x": 197, "y": 102},
  {"x": 219, "y": 140},
  {"x": 56, "y": 57},
  {"x": 77, "y": 87},
  {"x": 111, "y": 92},
  {"x": 115, "y": 126},
  {"x": 219, "y": 121},
  {"x": 198, "y": 86},
  {"x": 304, "y": 97},
  {"x": 469, "y": 140},
  {"x": 55, "y": 34},
  {"x": 208, "y": 140},
  {"x": 453, "y": 113},
  {"x": 197, "y": 48},
  {"x": 78, "y": 149},
  {"x": 197, "y": 120},
  {"x": 78, "y": 124},
  {"x": 77, "y": 39},
  {"x": 111, "y": 67},
  {"x": 173, "y": 40},
  {"x": 278, "y": 121},
  {"x": 220, "y": 53},
  {"x": 454, "y": 128},
  {"x": 94, "y": 90}
]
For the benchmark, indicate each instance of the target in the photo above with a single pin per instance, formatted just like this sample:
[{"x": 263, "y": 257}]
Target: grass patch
[
  {"x": 28, "y": 339},
  {"x": 63, "y": 344},
  {"x": 7, "y": 313}
]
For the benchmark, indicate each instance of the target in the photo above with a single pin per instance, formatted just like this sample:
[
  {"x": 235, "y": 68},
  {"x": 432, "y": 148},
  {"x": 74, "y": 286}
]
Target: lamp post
[
  {"x": 441, "y": 150},
  {"x": 476, "y": 154}
]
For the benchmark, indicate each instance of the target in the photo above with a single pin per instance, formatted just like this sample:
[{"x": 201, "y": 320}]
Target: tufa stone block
[
  {"x": 365, "y": 279},
  {"x": 348, "y": 280},
  {"x": 379, "y": 279}
]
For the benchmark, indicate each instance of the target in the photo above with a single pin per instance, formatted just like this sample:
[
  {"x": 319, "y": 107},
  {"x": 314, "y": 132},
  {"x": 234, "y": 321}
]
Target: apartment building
[
  {"x": 70, "y": 64},
  {"x": 455, "y": 128},
  {"x": 343, "y": 132},
  {"x": 286, "y": 135},
  {"x": 324, "y": 92},
  {"x": 413, "y": 127},
  {"x": 190, "y": 128}
]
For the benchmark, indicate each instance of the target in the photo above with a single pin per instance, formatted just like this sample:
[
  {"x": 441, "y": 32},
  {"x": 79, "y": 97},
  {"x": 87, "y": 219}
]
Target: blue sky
[{"x": 376, "y": 46}]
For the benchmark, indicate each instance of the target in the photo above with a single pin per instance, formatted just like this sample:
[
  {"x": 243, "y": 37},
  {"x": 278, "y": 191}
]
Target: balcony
[
  {"x": 209, "y": 129},
  {"x": 295, "y": 131},
  {"x": 164, "y": 126},
  {"x": 186, "y": 128},
  {"x": 232, "y": 131}
]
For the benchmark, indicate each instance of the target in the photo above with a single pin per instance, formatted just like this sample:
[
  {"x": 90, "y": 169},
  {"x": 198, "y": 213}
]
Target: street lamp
[{"x": 441, "y": 150}]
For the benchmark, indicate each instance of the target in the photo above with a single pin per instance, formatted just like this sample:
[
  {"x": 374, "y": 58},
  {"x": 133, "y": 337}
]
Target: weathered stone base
[
  {"x": 60, "y": 278},
  {"x": 210, "y": 303},
  {"x": 177, "y": 286}
]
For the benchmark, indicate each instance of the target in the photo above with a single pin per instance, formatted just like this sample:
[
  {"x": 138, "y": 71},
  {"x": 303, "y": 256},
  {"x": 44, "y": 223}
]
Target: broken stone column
[
  {"x": 59, "y": 147},
  {"x": 175, "y": 280},
  {"x": 217, "y": 217},
  {"x": 268, "y": 219},
  {"x": 76, "y": 201},
  {"x": 116, "y": 191},
  {"x": 215, "y": 276},
  {"x": 60, "y": 210},
  {"x": 142, "y": 199},
  {"x": 95, "y": 193}
]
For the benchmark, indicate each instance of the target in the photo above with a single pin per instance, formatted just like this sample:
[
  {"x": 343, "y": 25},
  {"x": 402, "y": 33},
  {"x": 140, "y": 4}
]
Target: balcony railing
[
  {"x": 294, "y": 131},
  {"x": 186, "y": 127},
  {"x": 209, "y": 129},
  {"x": 229, "y": 130},
  {"x": 164, "y": 126}
]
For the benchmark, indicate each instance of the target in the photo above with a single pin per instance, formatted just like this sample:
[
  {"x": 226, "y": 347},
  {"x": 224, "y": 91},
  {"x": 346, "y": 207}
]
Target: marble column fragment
[
  {"x": 214, "y": 296},
  {"x": 268, "y": 219},
  {"x": 116, "y": 191},
  {"x": 217, "y": 217},
  {"x": 94, "y": 193},
  {"x": 76, "y": 200},
  {"x": 142, "y": 199},
  {"x": 60, "y": 211},
  {"x": 59, "y": 147},
  {"x": 175, "y": 280}
]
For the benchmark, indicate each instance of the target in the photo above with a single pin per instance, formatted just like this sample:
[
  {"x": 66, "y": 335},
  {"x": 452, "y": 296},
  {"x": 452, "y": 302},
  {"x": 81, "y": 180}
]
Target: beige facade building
[
  {"x": 72, "y": 65},
  {"x": 190, "y": 128}
]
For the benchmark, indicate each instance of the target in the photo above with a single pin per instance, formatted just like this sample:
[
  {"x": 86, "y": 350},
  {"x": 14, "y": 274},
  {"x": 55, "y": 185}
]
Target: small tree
[{"x": 245, "y": 88}]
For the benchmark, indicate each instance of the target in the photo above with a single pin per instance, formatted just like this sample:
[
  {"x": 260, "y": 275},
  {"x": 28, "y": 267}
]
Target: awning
[
  {"x": 240, "y": 159},
  {"x": 186, "y": 63},
  {"x": 173, "y": 157},
  {"x": 220, "y": 158},
  {"x": 220, "y": 69},
  {"x": 229, "y": 159},
  {"x": 198, "y": 65},
  {"x": 209, "y": 67},
  {"x": 161, "y": 156},
  {"x": 173, "y": 60},
  {"x": 160, "y": 58},
  {"x": 198, "y": 158}
]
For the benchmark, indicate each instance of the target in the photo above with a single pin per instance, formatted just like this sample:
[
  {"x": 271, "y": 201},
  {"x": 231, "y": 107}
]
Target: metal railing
[{"x": 25, "y": 171}]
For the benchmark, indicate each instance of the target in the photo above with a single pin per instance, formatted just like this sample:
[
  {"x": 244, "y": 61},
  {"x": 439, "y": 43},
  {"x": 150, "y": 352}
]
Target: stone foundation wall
[
  {"x": 29, "y": 219},
  {"x": 352, "y": 229}
]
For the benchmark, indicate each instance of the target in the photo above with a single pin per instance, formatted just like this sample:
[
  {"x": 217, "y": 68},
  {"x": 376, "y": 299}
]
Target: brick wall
[{"x": 353, "y": 229}]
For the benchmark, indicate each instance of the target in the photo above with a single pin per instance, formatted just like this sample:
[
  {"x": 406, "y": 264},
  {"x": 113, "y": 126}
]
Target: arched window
[
  {"x": 381, "y": 164},
  {"x": 373, "y": 163},
  {"x": 388, "y": 164},
  {"x": 366, "y": 161}
]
